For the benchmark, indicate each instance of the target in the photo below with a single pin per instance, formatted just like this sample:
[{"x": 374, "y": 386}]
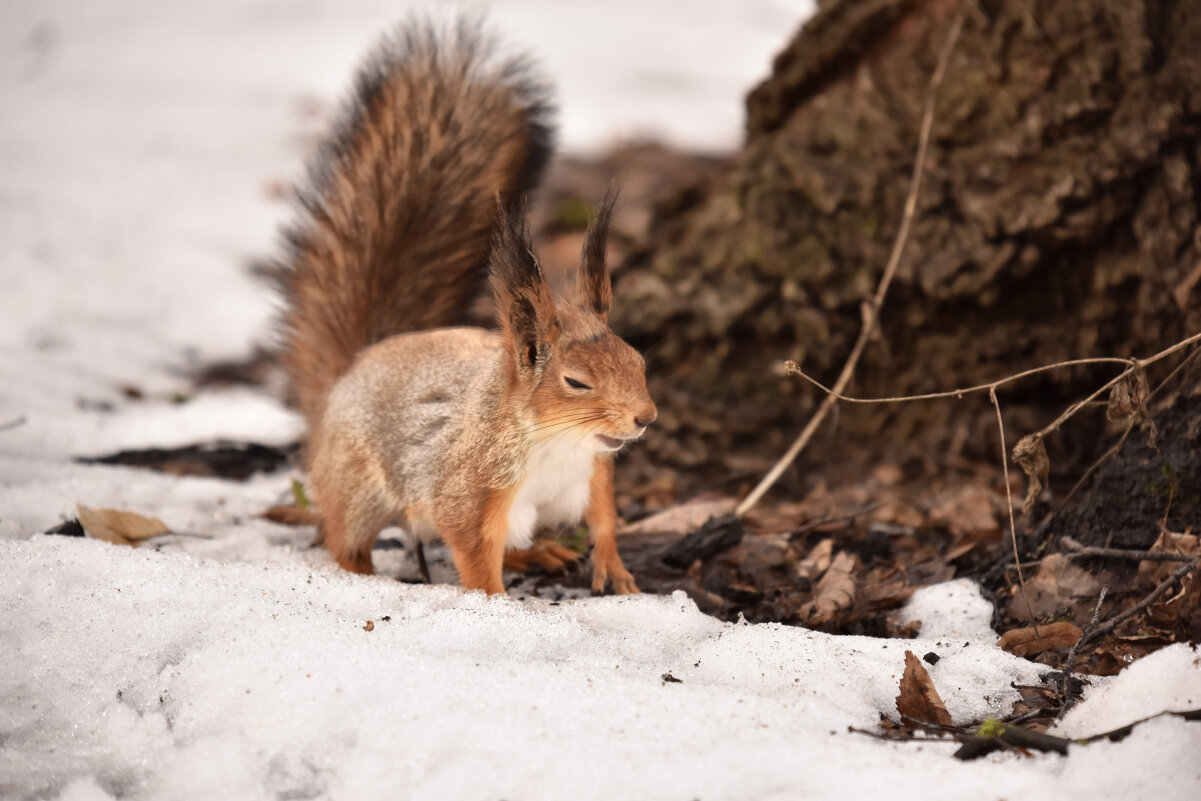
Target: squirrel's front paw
[{"x": 623, "y": 582}]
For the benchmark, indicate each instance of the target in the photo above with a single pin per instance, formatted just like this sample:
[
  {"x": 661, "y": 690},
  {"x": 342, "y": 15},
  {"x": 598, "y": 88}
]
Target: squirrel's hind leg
[
  {"x": 349, "y": 530},
  {"x": 546, "y": 553}
]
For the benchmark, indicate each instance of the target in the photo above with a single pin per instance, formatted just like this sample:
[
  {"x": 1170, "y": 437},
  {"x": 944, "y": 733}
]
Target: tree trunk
[{"x": 1058, "y": 220}]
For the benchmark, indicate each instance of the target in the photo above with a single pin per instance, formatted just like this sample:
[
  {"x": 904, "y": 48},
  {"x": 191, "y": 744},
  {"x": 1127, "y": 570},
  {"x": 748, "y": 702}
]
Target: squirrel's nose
[{"x": 646, "y": 418}]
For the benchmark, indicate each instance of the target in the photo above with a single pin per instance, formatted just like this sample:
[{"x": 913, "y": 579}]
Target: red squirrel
[{"x": 475, "y": 436}]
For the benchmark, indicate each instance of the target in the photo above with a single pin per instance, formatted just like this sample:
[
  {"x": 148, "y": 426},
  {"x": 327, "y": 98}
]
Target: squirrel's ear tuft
[
  {"x": 524, "y": 304},
  {"x": 596, "y": 288}
]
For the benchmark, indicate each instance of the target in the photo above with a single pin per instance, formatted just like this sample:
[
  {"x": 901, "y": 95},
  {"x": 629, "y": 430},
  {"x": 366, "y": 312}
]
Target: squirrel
[{"x": 413, "y": 206}]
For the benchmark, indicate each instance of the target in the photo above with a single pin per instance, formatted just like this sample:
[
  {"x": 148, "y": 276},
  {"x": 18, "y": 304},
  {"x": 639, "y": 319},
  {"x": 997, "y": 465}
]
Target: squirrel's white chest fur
[{"x": 555, "y": 489}]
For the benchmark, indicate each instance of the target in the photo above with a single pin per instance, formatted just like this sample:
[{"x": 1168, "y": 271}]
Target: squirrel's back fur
[{"x": 396, "y": 221}]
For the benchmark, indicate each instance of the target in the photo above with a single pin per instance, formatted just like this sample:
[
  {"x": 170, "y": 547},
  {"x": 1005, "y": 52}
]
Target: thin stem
[
  {"x": 1013, "y": 532},
  {"x": 959, "y": 393},
  {"x": 795, "y": 369}
]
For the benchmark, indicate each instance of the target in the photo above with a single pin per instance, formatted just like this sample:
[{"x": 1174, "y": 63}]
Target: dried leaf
[
  {"x": 970, "y": 542},
  {"x": 918, "y": 700},
  {"x": 118, "y": 527},
  {"x": 1167, "y": 612},
  {"x": 817, "y": 562},
  {"x": 292, "y": 515},
  {"x": 1128, "y": 398},
  {"x": 1151, "y": 573},
  {"x": 1031, "y": 455},
  {"x": 1056, "y": 588},
  {"x": 1187, "y": 604},
  {"x": 885, "y": 588},
  {"x": 967, "y": 510},
  {"x": 682, "y": 519},
  {"x": 835, "y": 592},
  {"x": 782, "y": 517},
  {"x": 1026, "y": 642},
  {"x": 888, "y": 474},
  {"x": 1128, "y": 401},
  {"x": 1183, "y": 603}
]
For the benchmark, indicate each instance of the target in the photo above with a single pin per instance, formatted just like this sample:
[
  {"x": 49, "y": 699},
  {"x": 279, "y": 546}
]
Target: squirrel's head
[{"x": 582, "y": 381}]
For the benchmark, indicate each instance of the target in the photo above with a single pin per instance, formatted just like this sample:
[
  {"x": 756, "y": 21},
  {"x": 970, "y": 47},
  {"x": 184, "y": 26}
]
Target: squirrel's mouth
[
  {"x": 612, "y": 443},
  {"x": 609, "y": 443}
]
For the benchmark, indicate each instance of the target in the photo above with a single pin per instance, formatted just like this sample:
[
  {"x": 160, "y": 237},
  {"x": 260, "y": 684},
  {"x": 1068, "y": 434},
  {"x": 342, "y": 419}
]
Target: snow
[
  {"x": 131, "y": 673},
  {"x": 1167, "y": 680},
  {"x": 140, "y": 147},
  {"x": 953, "y": 611}
]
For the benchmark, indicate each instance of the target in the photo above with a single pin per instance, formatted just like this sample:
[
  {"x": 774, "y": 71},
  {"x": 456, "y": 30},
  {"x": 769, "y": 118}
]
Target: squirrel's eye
[{"x": 571, "y": 382}]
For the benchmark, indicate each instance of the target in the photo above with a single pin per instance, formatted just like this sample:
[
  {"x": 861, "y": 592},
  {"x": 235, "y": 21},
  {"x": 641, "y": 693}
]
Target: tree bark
[{"x": 1058, "y": 220}]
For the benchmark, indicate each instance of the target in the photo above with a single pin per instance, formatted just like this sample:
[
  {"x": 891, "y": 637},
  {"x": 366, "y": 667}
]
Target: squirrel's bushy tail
[{"x": 396, "y": 222}]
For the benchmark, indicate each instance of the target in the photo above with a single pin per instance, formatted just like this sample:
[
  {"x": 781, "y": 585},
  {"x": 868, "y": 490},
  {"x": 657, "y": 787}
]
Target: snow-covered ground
[
  {"x": 134, "y": 674},
  {"x": 142, "y": 144}
]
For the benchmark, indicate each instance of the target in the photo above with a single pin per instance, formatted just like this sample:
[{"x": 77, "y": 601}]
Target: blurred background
[{"x": 144, "y": 146}]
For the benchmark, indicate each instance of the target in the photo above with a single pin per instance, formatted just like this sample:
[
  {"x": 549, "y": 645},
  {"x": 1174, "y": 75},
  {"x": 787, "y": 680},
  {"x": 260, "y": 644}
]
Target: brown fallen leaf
[
  {"x": 1055, "y": 590},
  {"x": 118, "y": 527},
  {"x": 968, "y": 510},
  {"x": 681, "y": 519},
  {"x": 885, "y": 588},
  {"x": 899, "y": 513},
  {"x": 1185, "y": 603},
  {"x": 292, "y": 515},
  {"x": 835, "y": 592},
  {"x": 1187, "y": 544},
  {"x": 918, "y": 700},
  {"x": 969, "y": 542},
  {"x": 1026, "y": 642},
  {"x": 817, "y": 561}
]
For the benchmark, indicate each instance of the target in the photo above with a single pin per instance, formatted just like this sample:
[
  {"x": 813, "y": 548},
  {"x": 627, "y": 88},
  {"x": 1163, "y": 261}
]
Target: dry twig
[
  {"x": 1142, "y": 605},
  {"x": 871, "y": 309},
  {"x": 1081, "y": 551},
  {"x": 994, "y": 734},
  {"x": 1066, "y": 678}
]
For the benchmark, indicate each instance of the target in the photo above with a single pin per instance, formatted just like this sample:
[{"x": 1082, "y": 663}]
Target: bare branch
[{"x": 1082, "y": 551}]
